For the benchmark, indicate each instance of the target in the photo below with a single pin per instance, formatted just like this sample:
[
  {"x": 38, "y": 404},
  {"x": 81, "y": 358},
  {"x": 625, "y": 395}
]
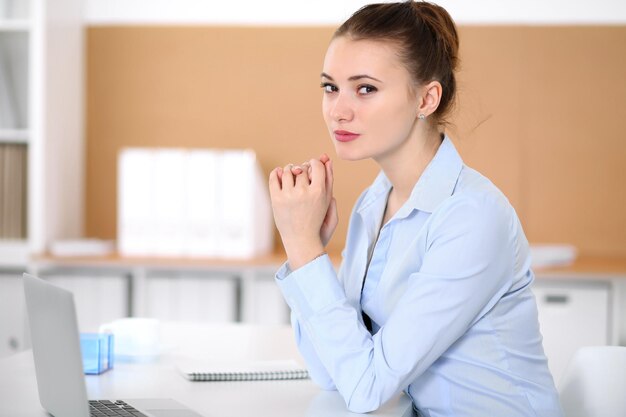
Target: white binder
[
  {"x": 194, "y": 203},
  {"x": 135, "y": 214}
]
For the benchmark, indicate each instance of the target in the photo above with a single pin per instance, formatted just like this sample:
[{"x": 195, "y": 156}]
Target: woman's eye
[
  {"x": 366, "y": 89},
  {"x": 328, "y": 88}
]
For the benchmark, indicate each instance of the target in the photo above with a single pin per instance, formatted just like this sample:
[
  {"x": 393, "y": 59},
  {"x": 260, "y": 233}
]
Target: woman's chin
[{"x": 347, "y": 155}]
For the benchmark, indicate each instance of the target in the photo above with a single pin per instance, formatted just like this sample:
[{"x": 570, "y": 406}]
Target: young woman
[{"x": 433, "y": 294}]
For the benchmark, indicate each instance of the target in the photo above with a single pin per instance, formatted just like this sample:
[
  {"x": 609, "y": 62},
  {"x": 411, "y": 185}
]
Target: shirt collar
[{"x": 436, "y": 183}]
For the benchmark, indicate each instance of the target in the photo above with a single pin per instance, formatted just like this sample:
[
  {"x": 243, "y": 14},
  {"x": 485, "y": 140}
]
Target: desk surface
[{"x": 160, "y": 379}]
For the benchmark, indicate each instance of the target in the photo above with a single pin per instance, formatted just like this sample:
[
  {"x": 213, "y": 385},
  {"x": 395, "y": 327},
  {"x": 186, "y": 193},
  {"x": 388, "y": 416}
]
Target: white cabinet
[
  {"x": 210, "y": 295},
  {"x": 41, "y": 125},
  {"x": 199, "y": 297},
  {"x": 173, "y": 291},
  {"x": 12, "y": 314},
  {"x": 573, "y": 313},
  {"x": 15, "y": 80}
]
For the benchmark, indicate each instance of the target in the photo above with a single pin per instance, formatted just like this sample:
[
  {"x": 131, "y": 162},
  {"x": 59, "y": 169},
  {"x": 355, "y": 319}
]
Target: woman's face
[{"x": 369, "y": 106}]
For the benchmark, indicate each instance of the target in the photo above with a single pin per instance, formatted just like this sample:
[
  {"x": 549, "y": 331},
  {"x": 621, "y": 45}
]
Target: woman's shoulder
[
  {"x": 475, "y": 196},
  {"x": 472, "y": 185},
  {"x": 479, "y": 213}
]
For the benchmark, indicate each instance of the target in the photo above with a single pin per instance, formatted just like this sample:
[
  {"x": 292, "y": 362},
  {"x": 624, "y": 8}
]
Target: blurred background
[{"x": 540, "y": 111}]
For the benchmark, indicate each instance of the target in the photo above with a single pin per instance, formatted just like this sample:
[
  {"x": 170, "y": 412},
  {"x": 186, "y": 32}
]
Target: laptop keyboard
[{"x": 105, "y": 408}]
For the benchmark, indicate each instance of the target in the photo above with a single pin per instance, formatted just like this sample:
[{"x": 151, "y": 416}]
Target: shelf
[
  {"x": 115, "y": 260},
  {"x": 14, "y": 253},
  {"x": 14, "y": 136},
  {"x": 588, "y": 266},
  {"x": 14, "y": 25},
  {"x": 273, "y": 259}
]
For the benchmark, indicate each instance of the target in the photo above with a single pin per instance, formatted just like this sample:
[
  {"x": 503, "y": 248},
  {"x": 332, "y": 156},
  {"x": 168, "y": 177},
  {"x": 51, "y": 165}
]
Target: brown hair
[{"x": 427, "y": 39}]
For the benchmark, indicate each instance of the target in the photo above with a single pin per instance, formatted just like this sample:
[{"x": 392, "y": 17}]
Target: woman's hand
[
  {"x": 304, "y": 209},
  {"x": 331, "y": 219}
]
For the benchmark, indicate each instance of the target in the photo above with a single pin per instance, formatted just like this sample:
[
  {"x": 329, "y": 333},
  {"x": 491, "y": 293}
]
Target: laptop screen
[{"x": 56, "y": 348}]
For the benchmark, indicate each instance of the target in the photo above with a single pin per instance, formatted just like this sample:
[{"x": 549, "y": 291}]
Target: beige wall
[{"x": 541, "y": 112}]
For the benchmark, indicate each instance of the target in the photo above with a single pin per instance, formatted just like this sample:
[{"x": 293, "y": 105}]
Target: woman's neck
[{"x": 405, "y": 167}]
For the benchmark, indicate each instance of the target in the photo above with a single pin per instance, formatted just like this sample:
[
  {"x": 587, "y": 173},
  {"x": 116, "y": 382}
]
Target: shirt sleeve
[
  {"x": 467, "y": 267},
  {"x": 316, "y": 369}
]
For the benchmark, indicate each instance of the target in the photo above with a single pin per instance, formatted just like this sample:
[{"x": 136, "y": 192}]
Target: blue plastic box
[{"x": 97, "y": 352}]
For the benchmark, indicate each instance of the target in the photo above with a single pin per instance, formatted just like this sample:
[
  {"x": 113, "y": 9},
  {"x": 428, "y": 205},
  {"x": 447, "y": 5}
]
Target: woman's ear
[{"x": 430, "y": 99}]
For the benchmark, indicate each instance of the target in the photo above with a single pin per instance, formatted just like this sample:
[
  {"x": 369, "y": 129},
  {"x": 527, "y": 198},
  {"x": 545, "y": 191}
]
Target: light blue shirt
[{"x": 448, "y": 291}]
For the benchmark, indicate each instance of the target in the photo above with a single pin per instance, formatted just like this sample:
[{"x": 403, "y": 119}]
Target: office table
[{"x": 159, "y": 378}]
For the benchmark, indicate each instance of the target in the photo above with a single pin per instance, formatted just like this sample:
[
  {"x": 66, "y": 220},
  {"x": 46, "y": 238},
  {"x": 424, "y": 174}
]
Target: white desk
[{"x": 160, "y": 379}]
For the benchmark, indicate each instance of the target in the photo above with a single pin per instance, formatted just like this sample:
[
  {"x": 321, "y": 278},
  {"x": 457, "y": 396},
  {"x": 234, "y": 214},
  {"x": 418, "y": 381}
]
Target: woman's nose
[{"x": 342, "y": 109}]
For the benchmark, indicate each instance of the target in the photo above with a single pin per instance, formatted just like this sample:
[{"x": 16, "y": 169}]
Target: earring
[{"x": 421, "y": 116}]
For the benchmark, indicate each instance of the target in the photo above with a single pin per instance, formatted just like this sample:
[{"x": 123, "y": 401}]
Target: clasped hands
[{"x": 305, "y": 211}]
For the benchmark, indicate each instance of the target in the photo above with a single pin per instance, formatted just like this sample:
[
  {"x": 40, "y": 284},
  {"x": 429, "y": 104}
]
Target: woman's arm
[
  {"x": 318, "y": 373},
  {"x": 290, "y": 174},
  {"x": 467, "y": 267}
]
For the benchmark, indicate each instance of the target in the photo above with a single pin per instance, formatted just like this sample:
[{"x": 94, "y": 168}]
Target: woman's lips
[{"x": 345, "y": 136}]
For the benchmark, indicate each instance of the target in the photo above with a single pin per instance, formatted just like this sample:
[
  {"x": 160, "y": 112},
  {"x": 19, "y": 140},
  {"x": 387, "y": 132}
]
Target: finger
[
  {"x": 279, "y": 174},
  {"x": 324, "y": 158},
  {"x": 296, "y": 170},
  {"x": 274, "y": 181},
  {"x": 328, "y": 166},
  {"x": 318, "y": 174},
  {"x": 288, "y": 180},
  {"x": 307, "y": 167},
  {"x": 303, "y": 178}
]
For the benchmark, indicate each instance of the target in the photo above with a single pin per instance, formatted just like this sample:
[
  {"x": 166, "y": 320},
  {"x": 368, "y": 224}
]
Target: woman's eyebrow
[{"x": 353, "y": 78}]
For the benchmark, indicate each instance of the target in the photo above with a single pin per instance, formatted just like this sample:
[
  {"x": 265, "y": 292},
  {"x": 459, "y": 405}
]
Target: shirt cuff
[{"x": 310, "y": 288}]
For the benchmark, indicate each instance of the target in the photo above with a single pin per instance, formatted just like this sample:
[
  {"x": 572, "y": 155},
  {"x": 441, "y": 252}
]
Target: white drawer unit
[
  {"x": 12, "y": 314},
  {"x": 171, "y": 290},
  {"x": 185, "y": 296},
  {"x": 572, "y": 313}
]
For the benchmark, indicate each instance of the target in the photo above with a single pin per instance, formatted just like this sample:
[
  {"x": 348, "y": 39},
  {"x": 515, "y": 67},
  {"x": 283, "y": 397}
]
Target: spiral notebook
[{"x": 238, "y": 371}]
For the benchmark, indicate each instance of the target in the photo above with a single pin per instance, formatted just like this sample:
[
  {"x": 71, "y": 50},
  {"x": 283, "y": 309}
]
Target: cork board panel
[
  {"x": 221, "y": 87},
  {"x": 259, "y": 88},
  {"x": 488, "y": 126},
  {"x": 575, "y": 95}
]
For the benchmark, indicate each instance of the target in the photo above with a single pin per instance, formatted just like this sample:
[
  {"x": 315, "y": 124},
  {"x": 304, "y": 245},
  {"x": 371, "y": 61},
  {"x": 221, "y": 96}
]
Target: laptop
[{"x": 58, "y": 361}]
